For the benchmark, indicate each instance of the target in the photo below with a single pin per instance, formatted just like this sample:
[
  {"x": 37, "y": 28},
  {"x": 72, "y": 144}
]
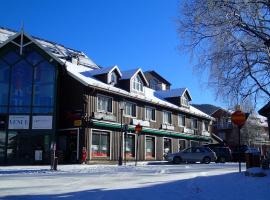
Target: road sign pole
[{"x": 239, "y": 143}]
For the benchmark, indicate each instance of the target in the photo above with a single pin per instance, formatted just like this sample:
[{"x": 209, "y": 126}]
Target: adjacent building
[{"x": 53, "y": 97}]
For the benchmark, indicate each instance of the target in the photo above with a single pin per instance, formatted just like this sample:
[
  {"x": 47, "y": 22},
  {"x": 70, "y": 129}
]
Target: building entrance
[{"x": 68, "y": 146}]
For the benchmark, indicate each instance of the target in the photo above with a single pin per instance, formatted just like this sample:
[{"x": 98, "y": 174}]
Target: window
[
  {"x": 194, "y": 123},
  {"x": 167, "y": 145},
  {"x": 130, "y": 109},
  {"x": 4, "y": 83},
  {"x": 104, "y": 103},
  {"x": 150, "y": 147},
  {"x": 181, "y": 120},
  {"x": 137, "y": 84},
  {"x": 154, "y": 84},
  {"x": 150, "y": 114},
  {"x": 182, "y": 145},
  {"x": 205, "y": 125},
  {"x": 113, "y": 78},
  {"x": 100, "y": 144},
  {"x": 184, "y": 101},
  {"x": 130, "y": 146},
  {"x": 167, "y": 117}
]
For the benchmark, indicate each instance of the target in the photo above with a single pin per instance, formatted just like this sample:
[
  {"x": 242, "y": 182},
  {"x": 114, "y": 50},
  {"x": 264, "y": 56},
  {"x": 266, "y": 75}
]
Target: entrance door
[
  {"x": 67, "y": 146},
  {"x": 167, "y": 145}
]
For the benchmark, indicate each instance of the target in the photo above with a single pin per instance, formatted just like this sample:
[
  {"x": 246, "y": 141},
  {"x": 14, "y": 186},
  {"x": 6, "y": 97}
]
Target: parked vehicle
[
  {"x": 224, "y": 154},
  {"x": 236, "y": 154},
  {"x": 192, "y": 154}
]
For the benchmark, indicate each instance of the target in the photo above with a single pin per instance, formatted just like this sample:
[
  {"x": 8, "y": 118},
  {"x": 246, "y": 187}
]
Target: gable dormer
[
  {"x": 108, "y": 75},
  {"x": 134, "y": 81},
  {"x": 156, "y": 81},
  {"x": 179, "y": 96}
]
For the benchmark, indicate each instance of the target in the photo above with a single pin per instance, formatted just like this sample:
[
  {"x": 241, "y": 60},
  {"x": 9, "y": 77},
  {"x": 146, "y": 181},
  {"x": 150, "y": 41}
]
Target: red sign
[
  {"x": 238, "y": 118},
  {"x": 138, "y": 128}
]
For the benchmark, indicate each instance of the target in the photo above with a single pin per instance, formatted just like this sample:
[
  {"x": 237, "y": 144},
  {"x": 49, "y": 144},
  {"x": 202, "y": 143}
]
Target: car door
[
  {"x": 198, "y": 154},
  {"x": 186, "y": 154}
]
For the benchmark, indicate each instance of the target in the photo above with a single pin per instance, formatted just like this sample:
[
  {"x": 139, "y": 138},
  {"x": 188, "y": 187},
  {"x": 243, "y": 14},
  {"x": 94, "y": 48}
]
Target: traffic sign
[
  {"x": 239, "y": 118},
  {"x": 138, "y": 128}
]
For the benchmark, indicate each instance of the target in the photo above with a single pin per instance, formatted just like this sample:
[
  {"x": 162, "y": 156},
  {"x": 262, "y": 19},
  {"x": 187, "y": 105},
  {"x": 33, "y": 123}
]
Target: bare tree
[{"x": 232, "y": 40}]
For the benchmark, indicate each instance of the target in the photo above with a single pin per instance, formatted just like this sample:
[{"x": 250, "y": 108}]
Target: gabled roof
[
  {"x": 57, "y": 50},
  {"x": 154, "y": 73},
  {"x": 129, "y": 74},
  {"x": 178, "y": 92},
  {"x": 207, "y": 108},
  {"x": 106, "y": 70}
]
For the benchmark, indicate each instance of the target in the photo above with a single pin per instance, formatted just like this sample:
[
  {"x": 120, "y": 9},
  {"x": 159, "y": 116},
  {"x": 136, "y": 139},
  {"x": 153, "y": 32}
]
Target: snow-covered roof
[
  {"x": 105, "y": 70},
  {"x": 83, "y": 75},
  {"x": 177, "y": 92},
  {"x": 57, "y": 50}
]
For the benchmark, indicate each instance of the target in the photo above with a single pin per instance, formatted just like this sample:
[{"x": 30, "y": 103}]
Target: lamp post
[{"x": 122, "y": 105}]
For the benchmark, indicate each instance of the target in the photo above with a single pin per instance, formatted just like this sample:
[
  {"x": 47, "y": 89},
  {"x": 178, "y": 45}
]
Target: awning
[{"x": 145, "y": 130}]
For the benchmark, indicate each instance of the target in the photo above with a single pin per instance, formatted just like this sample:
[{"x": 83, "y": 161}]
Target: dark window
[
  {"x": 4, "y": 83},
  {"x": 130, "y": 146},
  {"x": 182, "y": 145},
  {"x": 11, "y": 57},
  {"x": 150, "y": 114},
  {"x": 167, "y": 145},
  {"x": 100, "y": 144},
  {"x": 21, "y": 87},
  {"x": 150, "y": 147},
  {"x": 2, "y": 144}
]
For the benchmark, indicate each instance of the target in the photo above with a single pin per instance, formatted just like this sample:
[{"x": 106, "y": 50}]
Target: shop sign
[
  {"x": 104, "y": 116},
  {"x": 141, "y": 122},
  {"x": 167, "y": 127},
  {"x": 188, "y": 130},
  {"x": 77, "y": 122},
  {"x": 42, "y": 122},
  {"x": 18, "y": 122}
]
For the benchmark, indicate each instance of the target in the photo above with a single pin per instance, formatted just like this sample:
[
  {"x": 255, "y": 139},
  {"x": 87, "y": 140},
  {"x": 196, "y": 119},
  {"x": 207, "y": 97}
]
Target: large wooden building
[{"x": 50, "y": 94}]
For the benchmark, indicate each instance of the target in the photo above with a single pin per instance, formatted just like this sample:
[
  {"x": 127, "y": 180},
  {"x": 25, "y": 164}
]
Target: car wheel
[
  {"x": 206, "y": 160},
  {"x": 222, "y": 159},
  {"x": 177, "y": 160}
]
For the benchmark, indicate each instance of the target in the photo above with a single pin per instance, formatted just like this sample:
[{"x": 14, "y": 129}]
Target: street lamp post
[{"x": 122, "y": 107}]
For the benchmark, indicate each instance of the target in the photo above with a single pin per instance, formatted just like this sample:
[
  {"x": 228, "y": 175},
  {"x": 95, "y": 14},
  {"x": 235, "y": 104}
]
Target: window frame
[
  {"x": 130, "y": 116},
  {"x": 113, "y": 73},
  {"x": 155, "y": 146},
  {"x": 103, "y": 111},
  {"x": 165, "y": 111},
  {"x": 191, "y": 124},
  {"x": 152, "y": 109},
  {"x": 134, "y": 82},
  {"x": 178, "y": 117}
]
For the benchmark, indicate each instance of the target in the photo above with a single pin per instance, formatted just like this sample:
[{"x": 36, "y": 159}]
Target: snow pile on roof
[
  {"x": 56, "y": 49},
  {"x": 83, "y": 74}
]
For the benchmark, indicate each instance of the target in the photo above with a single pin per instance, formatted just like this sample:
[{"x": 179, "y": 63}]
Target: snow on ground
[{"x": 158, "y": 180}]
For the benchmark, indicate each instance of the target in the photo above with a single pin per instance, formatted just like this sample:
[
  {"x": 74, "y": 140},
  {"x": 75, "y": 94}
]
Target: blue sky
[{"x": 127, "y": 33}]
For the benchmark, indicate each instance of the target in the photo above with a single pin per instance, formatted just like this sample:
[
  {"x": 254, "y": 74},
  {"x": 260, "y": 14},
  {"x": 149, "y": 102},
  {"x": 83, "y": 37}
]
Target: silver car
[{"x": 192, "y": 155}]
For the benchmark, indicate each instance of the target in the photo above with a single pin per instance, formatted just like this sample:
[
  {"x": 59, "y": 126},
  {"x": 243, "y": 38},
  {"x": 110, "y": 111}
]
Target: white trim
[
  {"x": 179, "y": 121},
  {"x": 163, "y": 111},
  {"x": 163, "y": 144},
  {"x": 155, "y": 138},
  {"x": 136, "y": 111},
  {"x": 102, "y": 95},
  {"x": 145, "y": 114},
  {"x": 101, "y": 130},
  {"x": 135, "y": 148}
]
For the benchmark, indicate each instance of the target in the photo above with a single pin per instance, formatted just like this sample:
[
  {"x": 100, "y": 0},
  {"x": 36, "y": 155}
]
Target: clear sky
[{"x": 127, "y": 33}]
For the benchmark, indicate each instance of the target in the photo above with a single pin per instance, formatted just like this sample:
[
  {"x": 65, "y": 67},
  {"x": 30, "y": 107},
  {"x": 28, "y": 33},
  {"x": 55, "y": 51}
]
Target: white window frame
[
  {"x": 124, "y": 143},
  {"x": 130, "y": 116},
  {"x": 149, "y": 107},
  {"x": 192, "y": 123},
  {"x": 165, "y": 111},
  {"x": 180, "y": 115},
  {"x": 203, "y": 125},
  {"x": 184, "y": 100},
  {"x": 110, "y": 78},
  {"x": 163, "y": 144},
  {"x": 103, "y": 111},
  {"x": 134, "y": 82},
  {"x": 155, "y": 138}
]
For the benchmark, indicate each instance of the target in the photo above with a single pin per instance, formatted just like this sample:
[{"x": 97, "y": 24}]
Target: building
[
  {"x": 253, "y": 133},
  {"x": 56, "y": 97}
]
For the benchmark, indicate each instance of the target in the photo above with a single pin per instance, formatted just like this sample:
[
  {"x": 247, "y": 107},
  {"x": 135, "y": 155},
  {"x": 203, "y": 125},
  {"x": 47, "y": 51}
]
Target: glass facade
[{"x": 27, "y": 85}]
